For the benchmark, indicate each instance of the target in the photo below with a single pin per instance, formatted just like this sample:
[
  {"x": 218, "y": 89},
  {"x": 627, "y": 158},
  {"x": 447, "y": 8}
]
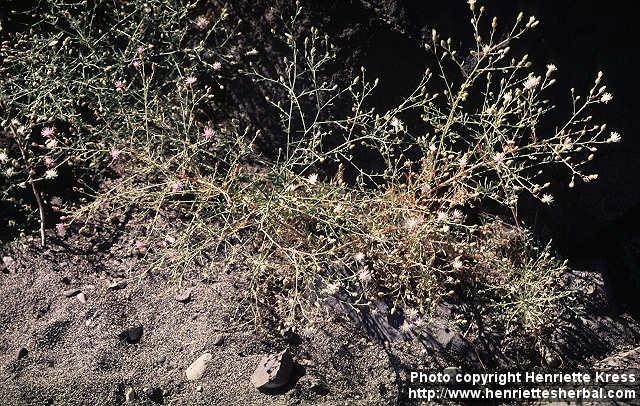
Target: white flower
[
  {"x": 531, "y": 82},
  {"x": 547, "y": 199},
  {"x": 471, "y": 3},
  {"x": 359, "y": 256},
  {"x": 606, "y": 98},
  {"x": 614, "y": 137},
  {"x": 463, "y": 161},
  {"x": 411, "y": 313},
  {"x": 457, "y": 264},
  {"x": 498, "y": 157},
  {"x": 3, "y": 157},
  {"x": 9, "y": 172},
  {"x": 51, "y": 174},
  {"x": 412, "y": 223},
  {"x": 397, "y": 124},
  {"x": 313, "y": 178},
  {"x": 507, "y": 97},
  {"x": 252, "y": 52},
  {"x": 551, "y": 68},
  {"x": 405, "y": 327},
  {"x": 51, "y": 143},
  {"x": 364, "y": 275},
  {"x": 457, "y": 215},
  {"x": 442, "y": 216},
  {"x": 331, "y": 289}
]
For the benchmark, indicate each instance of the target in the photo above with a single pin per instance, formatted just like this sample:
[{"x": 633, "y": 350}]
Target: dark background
[{"x": 596, "y": 225}]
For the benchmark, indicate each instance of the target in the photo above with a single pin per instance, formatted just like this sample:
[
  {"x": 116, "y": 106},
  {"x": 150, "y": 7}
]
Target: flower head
[
  {"x": 411, "y": 313},
  {"x": 47, "y": 132},
  {"x": 365, "y": 275},
  {"x": 606, "y": 98},
  {"x": 61, "y": 229},
  {"x": 412, "y": 223},
  {"x": 313, "y": 178},
  {"x": 359, "y": 256},
  {"x": 551, "y": 68},
  {"x": 190, "y": 80},
  {"x": 177, "y": 186},
  {"x": 3, "y": 157},
  {"x": 49, "y": 162},
  {"x": 51, "y": 174},
  {"x": 498, "y": 157},
  {"x": 208, "y": 133},
  {"x": 331, "y": 289},
  {"x": 139, "y": 245},
  {"x": 531, "y": 82},
  {"x": 140, "y": 50},
  {"x": 119, "y": 84},
  {"x": 136, "y": 63},
  {"x": 457, "y": 264},
  {"x": 442, "y": 216},
  {"x": 217, "y": 66},
  {"x": 405, "y": 327},
  {"x": 201, "y": 22},
  {"x": 614, "y": 137},
  {"x": 547, "y": 199},
  {"x": 115, "y": 153}
]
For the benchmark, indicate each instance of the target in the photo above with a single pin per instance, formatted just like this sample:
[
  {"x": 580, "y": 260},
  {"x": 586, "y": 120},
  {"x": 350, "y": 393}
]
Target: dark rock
[
  {"x": 118, "y": 285},
  {"x": 22, "y": 352},
  {"x": 273, "y": 370},
  {"x": 132, "y": 334},
  {"x": 218, "y": 340},
  {"x": 184, "y": 296}
]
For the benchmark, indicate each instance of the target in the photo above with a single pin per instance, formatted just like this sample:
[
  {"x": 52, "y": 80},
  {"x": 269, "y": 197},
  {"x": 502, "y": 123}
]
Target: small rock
[
  {"x": 185, "y": 296},
  {"x": 118, "y": 284},
  {"x": 149, "y": 392},
  {"x": 81, "y": 297},
  {"x": 71, "y": 292},
  {"x": 133, "y": 334},
  {"x": 8, "y": 263},
  {"x": 551, "y": 359},
  {"x": 22, "y": 352},
  {"x": 273, "y": 371},
  {"x": 197, "y": 368},
  {"x": 130, "y": 394},
  {"x": 161, "y": 360},
  {"x": 199, "y": 388},
  {"x": 218, "y": 340}
]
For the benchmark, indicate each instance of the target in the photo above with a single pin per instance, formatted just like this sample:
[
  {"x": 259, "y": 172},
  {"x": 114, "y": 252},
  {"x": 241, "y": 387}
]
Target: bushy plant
[{"x": 313, "y": 220}]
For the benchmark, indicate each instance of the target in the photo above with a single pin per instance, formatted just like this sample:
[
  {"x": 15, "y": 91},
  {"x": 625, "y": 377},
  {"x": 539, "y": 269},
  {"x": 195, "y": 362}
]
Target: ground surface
[{"x": 74, "y": 354}]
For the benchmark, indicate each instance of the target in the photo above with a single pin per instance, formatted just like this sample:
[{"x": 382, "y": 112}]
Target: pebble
[
  {"x": 184, "y": 296},
  {"x": 117, "y": 284},
  {"x": 273, "y": 370},
  {"x": 22, "y": 352},
  {"x": 218, "y": 340},
  {"x": 199, "y": 388},
  {"x": 8, "y": 263},
  {"x": 71, "y": 292},
  {"x": 129, "y": 394},
  {"x": 132, "y": 334},
  {"x": 162, "y": 359},
  {"x": 82, "y": 298},
  {"x": 198, "y": 367}
]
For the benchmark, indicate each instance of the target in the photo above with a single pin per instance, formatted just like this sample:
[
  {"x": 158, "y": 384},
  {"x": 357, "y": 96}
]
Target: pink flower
[
  {"x": 140, "y": 245},
  {"x": 119, "y": 85},
  {"x": 47, "y": 132},
  {"x": 208, "y": 133},
  {"x": 202, "y": 22},
  {"x": 61, "y": 229},
  {"x": 217, "y": 66},
  {"x": 177, "y": 186},
  {"x": 190, "y": 80},
  {"x": 49, "y": 162},
  {"x": 115, "y": 153},
  {"x": 136, "y": 63},
  {"x": 140, "y": 50}
]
